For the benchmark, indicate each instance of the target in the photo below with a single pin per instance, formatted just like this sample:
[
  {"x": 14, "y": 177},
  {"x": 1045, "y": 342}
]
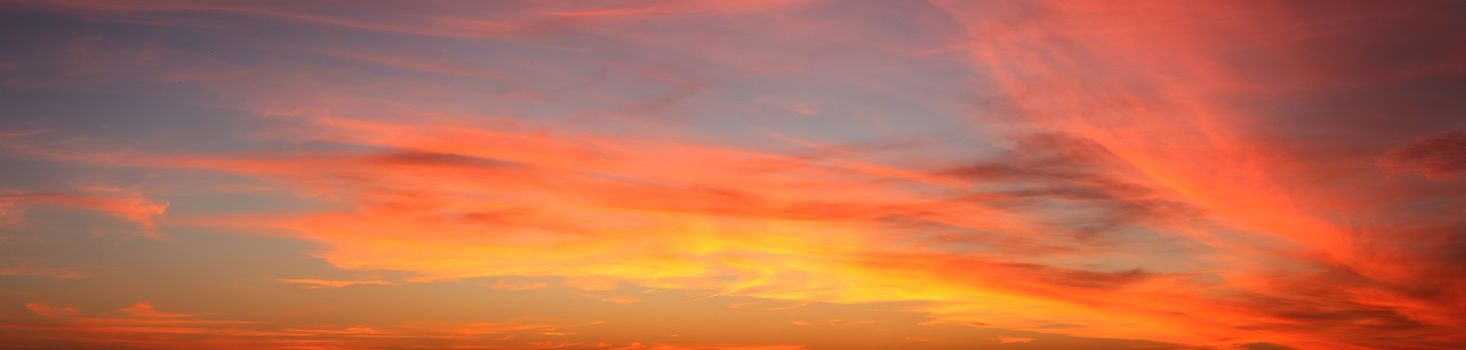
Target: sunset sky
[{"x": 734, "y": 174}]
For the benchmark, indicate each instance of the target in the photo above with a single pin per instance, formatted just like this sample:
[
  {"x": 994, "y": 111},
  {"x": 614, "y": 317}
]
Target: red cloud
[{"x": 1441, "y": 155}]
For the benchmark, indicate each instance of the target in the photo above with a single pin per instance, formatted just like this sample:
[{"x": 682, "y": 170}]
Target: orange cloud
[
  {"x": 49, "y": 311},
  {"x": 145, "y": 310},
  {"x": 319, "y": 283},
  {"x": 1013, "y": 340},
  {"x": 604, "y": 212},
  {"x": 1163, "y": 107},
  {"x": 126, "y": 204},
  {"x": 144, "y": 327},
  {"x": 1139, "y": 180}
]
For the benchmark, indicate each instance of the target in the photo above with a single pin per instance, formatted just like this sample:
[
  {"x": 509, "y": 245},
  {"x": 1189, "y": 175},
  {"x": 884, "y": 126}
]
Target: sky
[{"x": 759, "y": 174}]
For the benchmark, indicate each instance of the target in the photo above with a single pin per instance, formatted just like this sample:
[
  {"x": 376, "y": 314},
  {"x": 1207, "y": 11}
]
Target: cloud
[
  {"x": 1177, "y": 119},
  {"x": 47, "y": 272},
  {"x": 127, "y": 204},
  {"x": 145, "y": 310},
  {"x": 602, "y": 212},
  {"x": 1442, "y": 155},
  {"x": 442, "y": 20},
  {"x": 143, "y": 327},
  {"x": 319, "y": 283},
  {"x": 49, "y": 311},
  {"x": 1190, "y": 173}
]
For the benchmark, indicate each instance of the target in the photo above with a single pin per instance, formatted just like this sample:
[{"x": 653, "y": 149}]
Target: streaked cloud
[{"x": 126, "y": 204}]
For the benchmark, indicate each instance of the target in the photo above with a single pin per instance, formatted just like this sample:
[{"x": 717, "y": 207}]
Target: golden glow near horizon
[{"x": 791, "y": 174}]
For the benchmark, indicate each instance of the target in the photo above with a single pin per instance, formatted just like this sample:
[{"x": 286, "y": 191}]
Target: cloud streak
[{"x": 125, "y": 204}]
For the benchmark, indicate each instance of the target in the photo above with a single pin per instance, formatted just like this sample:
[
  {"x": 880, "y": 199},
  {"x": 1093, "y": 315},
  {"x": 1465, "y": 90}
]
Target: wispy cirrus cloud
[
  {"x": 126, "y": 204},
  {"x": 1166, "y": 108}
]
